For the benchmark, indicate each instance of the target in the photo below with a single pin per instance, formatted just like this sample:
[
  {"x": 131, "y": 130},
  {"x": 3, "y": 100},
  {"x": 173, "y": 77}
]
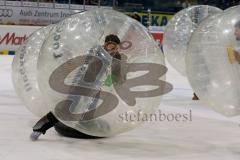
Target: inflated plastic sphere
[
  {"x": 179, "y": 30},
  {"x": 24, "y": 72},
  {"x": 213, "y": 64},
  {"x": 92, "y": 91}
]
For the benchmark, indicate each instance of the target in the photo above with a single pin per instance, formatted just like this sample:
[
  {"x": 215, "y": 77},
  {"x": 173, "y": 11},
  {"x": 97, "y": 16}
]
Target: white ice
[{"x": 209, "y": 136}]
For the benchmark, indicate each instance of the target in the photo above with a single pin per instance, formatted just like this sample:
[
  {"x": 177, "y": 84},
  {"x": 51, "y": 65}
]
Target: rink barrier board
[{"x": 12, "y": 36}]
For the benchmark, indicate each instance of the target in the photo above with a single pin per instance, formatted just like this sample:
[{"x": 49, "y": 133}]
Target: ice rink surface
[{"x": 209, "y": 136}]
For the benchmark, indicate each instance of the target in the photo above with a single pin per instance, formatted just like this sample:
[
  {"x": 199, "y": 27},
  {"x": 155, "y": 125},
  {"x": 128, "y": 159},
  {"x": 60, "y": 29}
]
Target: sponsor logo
[
  {"x": 155, "y": 19},
  {"x": 6, "y": 12},
  {"x": 12, "y": 39}
]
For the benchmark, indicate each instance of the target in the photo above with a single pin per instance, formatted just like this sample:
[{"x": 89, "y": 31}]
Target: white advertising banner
[
  {"x": 32, "y": 15},
  {"x": 38, "y": 14}
]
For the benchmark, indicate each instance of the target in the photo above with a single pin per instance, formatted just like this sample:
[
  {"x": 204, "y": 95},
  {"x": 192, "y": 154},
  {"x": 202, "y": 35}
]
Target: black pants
[{"x": 72, "y": 133}]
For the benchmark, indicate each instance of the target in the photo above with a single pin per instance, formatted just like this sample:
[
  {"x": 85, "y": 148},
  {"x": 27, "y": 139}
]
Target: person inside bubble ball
[
  {"x": 112, "y": 46},
  {"x": 237, "y": 35}
]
